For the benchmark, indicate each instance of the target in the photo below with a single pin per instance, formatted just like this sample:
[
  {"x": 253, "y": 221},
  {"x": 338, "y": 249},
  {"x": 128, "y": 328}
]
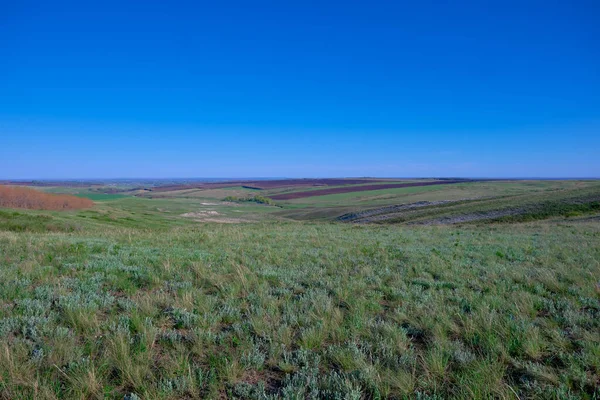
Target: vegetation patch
[
  {"x": 100, "y": 196},
  {"x": 298, "y": 310},
  {"x": 552, "y": 209},
  {"x": 18, "y": 222},
  {"x": 250, "y": 199},
  {"x": 22, "y": 197},
  {"x": 136, "y": 299}
]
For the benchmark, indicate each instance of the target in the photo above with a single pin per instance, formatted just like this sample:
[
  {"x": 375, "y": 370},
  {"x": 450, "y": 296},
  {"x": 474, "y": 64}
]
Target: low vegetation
[
  {"x": 253, "y": 199},
  {"x": 506, "y": 208},
  {"x": 14, "y": 221},
  {"x": 132, "y": 301},
  {"x": 22, "y": 197}
]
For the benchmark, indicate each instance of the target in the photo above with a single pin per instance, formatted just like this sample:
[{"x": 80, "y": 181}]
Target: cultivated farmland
[{"x": 358, "y": 188}]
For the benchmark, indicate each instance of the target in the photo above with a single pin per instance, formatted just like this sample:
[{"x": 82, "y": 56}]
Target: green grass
[
  {"x": 23, "y": 221},
  {"x": 95, "y": 194},
  {"x": 131, "y": 299},
  {"x": 509, "y": 208},
  {"x": 101, "y": 196},
  {"x": 441, "y": 192},
  {"x": 467, "y": 198}
]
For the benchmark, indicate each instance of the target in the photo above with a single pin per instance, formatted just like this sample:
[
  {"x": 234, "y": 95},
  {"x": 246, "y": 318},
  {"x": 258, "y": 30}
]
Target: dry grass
[{"x": 21, "y": 197}]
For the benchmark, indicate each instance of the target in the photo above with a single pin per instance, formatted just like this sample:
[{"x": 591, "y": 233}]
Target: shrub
[
  {"x": 254, "y": 199},
  {"x": 21, "y": 197}
]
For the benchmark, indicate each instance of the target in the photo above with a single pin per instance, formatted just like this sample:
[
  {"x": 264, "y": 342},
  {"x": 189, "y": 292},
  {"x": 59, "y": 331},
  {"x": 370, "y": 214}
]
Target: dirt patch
[
  {"x": 350, "y": 189},
  {"x": 225, "y": 220},
  {"x": 212, "y": 216},
  {"x": 200, "y": 214}
]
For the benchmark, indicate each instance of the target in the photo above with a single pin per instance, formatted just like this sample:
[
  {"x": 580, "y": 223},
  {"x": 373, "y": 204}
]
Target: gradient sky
[{"x": 299, "y": 88}]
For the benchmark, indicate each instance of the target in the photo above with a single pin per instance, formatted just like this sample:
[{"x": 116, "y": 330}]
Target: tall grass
[
  {"x": 21, "y": 197},
  {"x": 302, "y": 311}
]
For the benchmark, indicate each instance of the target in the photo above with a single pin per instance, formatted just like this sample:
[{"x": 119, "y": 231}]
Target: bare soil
[{"x": 212, "y": 216}]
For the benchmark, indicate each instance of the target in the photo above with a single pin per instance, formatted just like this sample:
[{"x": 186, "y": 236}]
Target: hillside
[{"x": 195, "y": 297}]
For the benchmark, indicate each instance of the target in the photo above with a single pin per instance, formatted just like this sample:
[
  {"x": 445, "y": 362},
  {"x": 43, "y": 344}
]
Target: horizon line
[{"x": 248, "y": 178}]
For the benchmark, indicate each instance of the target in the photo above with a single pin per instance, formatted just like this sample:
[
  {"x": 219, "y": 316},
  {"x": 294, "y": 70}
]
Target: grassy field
[
  {"x": 154, "y": 299},
  {"x": 443, "y": 192}
]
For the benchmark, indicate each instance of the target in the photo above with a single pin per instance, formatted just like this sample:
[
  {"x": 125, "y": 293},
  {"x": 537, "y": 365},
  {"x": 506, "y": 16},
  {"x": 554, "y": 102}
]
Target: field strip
[{"x": 349, "y": 189}]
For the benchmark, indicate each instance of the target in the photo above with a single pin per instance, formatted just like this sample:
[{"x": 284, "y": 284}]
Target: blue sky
[{"x": 299, "y": 89}]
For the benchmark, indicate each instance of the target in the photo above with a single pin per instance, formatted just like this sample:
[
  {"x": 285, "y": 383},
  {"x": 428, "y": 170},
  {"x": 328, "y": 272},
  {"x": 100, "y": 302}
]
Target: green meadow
[{"x": 171, "y": 298}]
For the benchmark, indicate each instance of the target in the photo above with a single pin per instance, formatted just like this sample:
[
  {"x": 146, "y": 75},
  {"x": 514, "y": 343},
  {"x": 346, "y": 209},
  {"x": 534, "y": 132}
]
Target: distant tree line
[
  {"x": 253, "y": 199},
  {"x": 22, "y": 197}
]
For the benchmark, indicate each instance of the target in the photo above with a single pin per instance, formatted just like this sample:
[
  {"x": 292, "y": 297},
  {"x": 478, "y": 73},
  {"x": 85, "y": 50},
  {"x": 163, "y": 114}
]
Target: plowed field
[{"x": 362, "y": 188}]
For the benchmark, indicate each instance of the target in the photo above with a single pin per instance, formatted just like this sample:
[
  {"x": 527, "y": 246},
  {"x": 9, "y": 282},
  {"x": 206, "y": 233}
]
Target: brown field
[
  {"x": 22, "y": 197},
  {"x": 349, "y": 189}
]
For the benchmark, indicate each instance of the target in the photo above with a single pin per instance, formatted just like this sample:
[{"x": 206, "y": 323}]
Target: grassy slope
[
  {"x": 480, "y": 195},
  {"x": 454, "y": 191},
  {"x": 308, "y": 309},
  {"x": 129, "y": 297},
  {"x": 532, "y": 205},
  {"x": 95, "y": 193},
  {"x": 130, "y": 212}
]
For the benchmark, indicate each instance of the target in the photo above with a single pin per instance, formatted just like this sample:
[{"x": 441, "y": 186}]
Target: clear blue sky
[{"x": 299, "y": 88}]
